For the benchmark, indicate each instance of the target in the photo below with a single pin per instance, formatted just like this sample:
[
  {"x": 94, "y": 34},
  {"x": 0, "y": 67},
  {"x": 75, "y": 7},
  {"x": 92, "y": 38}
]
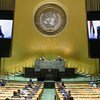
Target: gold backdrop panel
[{"x": 71, "y": 43}]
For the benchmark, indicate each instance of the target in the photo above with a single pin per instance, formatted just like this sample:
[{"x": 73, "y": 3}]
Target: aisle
[{"x": 48, "y": 94}]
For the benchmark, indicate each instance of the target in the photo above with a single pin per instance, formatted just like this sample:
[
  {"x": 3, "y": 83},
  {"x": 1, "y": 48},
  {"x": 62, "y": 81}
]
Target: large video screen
[
  {"x": 6, "y": 28},
  {"x": 6, "y": 32},
  {"x": 93, "y": 30}
]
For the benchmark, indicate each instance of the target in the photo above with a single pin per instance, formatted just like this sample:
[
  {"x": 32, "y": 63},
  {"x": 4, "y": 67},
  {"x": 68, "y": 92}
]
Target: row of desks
[
  {"x": 80, "y": 92},
  {"x": 7, "y": 91}
]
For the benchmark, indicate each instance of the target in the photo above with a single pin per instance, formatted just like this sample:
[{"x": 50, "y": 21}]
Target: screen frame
[
  {"x": 93, "y": 44},
  {"x": 6, "y": 43}
]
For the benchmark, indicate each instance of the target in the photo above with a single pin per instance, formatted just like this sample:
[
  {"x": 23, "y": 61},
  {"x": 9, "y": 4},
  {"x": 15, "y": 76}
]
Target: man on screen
[
  {"x": 1, "y": 34},
  {"x": 98, "y": 32}
]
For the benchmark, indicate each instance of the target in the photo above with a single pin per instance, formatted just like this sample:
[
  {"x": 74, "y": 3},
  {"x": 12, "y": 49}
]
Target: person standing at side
[{"x": 1, "y": 33}]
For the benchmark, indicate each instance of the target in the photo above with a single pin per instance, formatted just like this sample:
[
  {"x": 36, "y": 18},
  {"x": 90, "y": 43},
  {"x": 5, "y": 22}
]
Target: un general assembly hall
[{"x": 49, "y": 49}]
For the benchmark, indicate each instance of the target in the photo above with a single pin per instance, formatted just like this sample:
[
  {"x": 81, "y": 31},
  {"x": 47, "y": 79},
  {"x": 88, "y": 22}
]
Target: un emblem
[{"x": 50, "y": 19}]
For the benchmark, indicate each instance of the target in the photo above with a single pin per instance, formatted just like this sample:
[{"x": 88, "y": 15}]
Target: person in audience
[
  {"x": 60, "y": 87},
  {"x": 16, "y": 95},
  {"x": 64, "y": 98},
  {"x": 30, "y": 85},
  {"x": 1, "y": 33},
  {"x": 25, "y": 89},
  {"x": 94, "y": 85},
  {"x": 98, "y": 85},
  {"x": 20, "y": 92},
  {"x": 71, "y": 98},
  {"x": 65, "y": 93},
  {"x": 2, "y": 83},
  {"x": 30, "y": 81},
  {"x": 30, "y": 95},
  {"x": 36, "y": 88},
  {"x": 63, "y": 84},
  {"x": 69, "y": 95},
  {"x": 91, "y": 83}
]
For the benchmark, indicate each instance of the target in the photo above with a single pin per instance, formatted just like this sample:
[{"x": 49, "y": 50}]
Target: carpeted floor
[{"x": 48, "y": 94}]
